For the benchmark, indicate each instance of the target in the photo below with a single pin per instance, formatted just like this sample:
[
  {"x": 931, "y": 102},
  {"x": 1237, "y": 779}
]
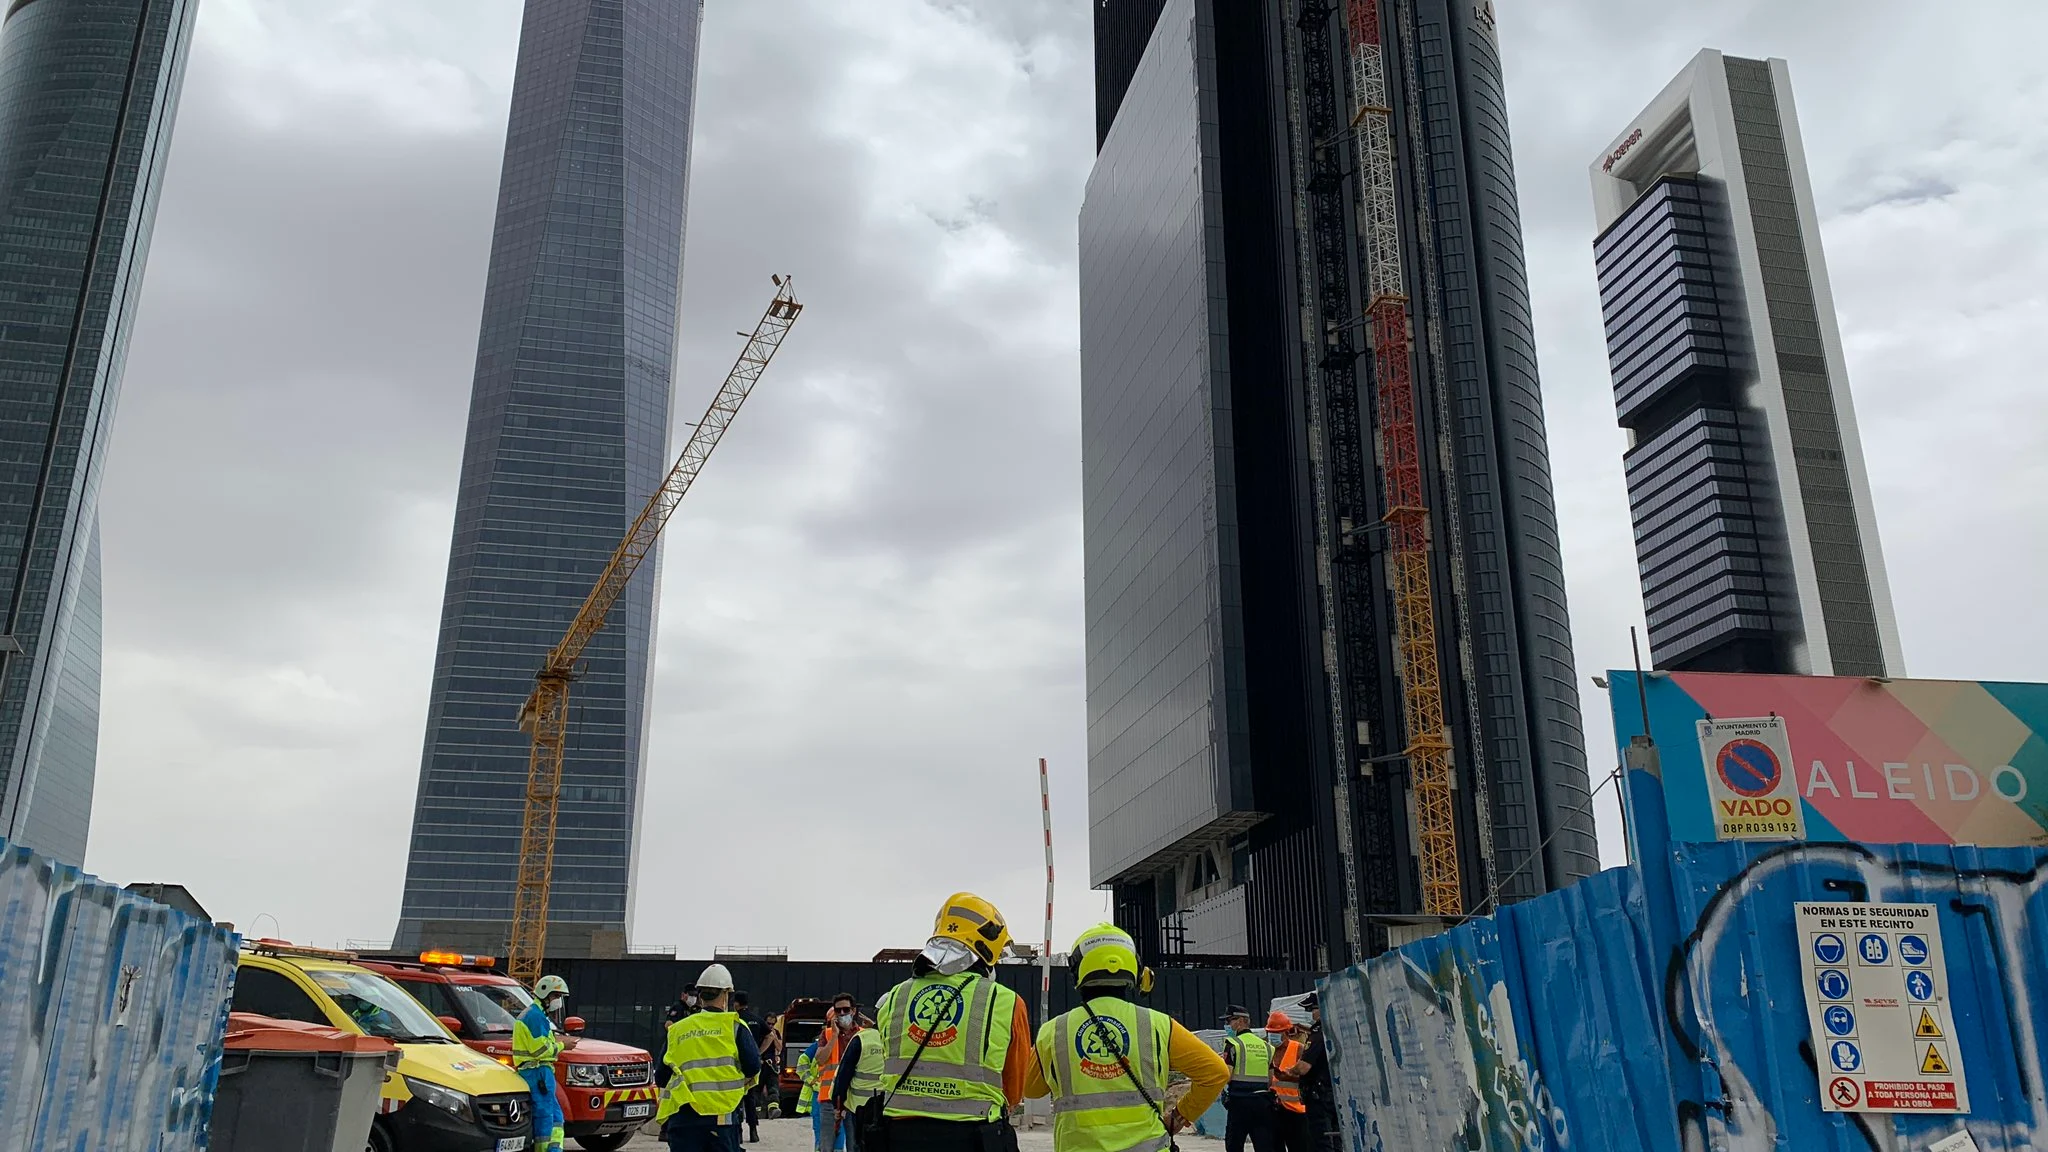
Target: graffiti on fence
[{"x": 1612, "y": 1017}]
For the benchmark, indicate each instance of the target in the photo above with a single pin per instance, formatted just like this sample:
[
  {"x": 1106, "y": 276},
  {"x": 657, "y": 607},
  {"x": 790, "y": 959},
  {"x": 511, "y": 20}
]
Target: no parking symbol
[{"x": 1749, "y": 779}]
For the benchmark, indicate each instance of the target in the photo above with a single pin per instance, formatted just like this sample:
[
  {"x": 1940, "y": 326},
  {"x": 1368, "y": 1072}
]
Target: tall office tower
[
  {"x": 568, "y": 437},
  {"x": 1330, "y": 686},
  {"x": 1754, "y": 530},
  {"x": 88, "y": 95}
]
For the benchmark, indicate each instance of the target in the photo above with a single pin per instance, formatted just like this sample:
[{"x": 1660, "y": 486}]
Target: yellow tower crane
[{"x": 546, "y": 712}]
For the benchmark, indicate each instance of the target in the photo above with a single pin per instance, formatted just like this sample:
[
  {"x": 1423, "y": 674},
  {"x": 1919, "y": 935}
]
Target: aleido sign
[{"x": 1844, "y": 758}]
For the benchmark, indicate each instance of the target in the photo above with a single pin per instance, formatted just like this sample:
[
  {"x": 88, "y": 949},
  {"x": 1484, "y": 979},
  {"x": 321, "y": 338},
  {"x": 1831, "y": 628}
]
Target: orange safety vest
[
  {"x": 1287, "y": 1093},
  {"x": 830, "y": 1048}
]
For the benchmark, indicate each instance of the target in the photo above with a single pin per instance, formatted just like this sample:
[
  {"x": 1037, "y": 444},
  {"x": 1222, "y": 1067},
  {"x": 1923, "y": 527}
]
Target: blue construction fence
[
  {"x": 113, "y": 1009},
  {"x": 1662, "y": 1008}
]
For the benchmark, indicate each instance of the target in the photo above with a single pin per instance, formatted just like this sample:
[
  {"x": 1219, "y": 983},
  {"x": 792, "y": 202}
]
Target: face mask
[
  {"x": 690, "y": 999},
  {"x": 846, "y": 1019}
]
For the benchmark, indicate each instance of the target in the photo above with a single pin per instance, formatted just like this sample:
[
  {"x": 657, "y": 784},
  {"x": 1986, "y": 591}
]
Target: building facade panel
[
  {"x": 1158, "y": 516},
  {"x": 88, "y": 97},
  {"x": 568, "y": 437}
]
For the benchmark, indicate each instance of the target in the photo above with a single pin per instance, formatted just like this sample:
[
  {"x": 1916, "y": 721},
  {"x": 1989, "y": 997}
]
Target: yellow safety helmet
[
  {"x": 1106, "y": 954},
  {"x": 968, "y": 919}
]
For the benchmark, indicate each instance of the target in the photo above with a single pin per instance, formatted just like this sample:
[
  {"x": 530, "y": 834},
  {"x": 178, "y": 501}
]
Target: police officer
[
  {"x": 956, "y": 1044},
  {"x": 1107, "y": 1063},
  {"x": 1248, "y": 1101},
  {"x": 712, "y": 1061},
  {"x": 535, "y": 1045}
]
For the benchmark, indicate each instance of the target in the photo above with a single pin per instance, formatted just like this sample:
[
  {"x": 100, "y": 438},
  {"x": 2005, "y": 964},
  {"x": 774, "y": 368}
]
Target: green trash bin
[{"x": 286, "y": 1086}]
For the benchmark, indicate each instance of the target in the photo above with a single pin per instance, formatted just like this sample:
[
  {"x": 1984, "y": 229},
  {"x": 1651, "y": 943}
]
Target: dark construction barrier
[{"x": 623, "y": 1000}]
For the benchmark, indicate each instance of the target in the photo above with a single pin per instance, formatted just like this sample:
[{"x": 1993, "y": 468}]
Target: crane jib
[{"x": 545, "y": 713}]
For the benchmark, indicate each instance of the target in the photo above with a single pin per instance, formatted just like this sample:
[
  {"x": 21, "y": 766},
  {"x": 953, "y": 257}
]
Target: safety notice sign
[
  {"x": 1877, "y": 1001},
  {"x": 1750, "y": 779}
]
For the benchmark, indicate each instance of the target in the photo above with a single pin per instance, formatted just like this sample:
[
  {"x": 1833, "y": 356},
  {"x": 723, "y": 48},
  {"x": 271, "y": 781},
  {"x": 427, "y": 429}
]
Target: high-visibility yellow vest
[
  {"x": 535, "y": 1044},
  {"x": 1096, "y": 1105},
  {"x": 1287, "y": 1093},
  {"x": 704, "y": 1062},
  {"x": 867, "y": 1069},
  {"x": 1251, "y": 1060},
  {"x": 960, "y": 1074}
]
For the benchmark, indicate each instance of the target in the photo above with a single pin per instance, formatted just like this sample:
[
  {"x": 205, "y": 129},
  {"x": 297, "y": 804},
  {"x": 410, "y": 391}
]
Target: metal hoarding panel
[
  {"x": 1617, "y": 1015},
  {"x": 1874, "y": 761},
  {"x": 1741, "y": 993},
  {"x": 112, "y": 1013},
  {"x": 1508, "y": 1034}
]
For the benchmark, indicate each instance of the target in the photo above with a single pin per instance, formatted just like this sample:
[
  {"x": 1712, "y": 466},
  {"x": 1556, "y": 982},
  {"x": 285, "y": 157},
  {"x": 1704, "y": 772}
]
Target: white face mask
[{"x": 845, "y": 1019}]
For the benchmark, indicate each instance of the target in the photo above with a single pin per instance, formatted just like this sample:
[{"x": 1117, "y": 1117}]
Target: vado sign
[{"x": 1750, "y": 779}]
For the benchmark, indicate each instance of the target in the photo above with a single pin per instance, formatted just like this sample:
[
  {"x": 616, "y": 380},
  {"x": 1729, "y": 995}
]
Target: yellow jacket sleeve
[
  {"x": 1187, "y": 1055},
  {"x": 1035, "y": 1083}
]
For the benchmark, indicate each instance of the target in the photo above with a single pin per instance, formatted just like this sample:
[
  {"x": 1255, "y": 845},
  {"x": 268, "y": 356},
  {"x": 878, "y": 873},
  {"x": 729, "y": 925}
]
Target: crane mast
[
  {"x": 545, "y": 714},
  {"x": 1407, "y": 513}
]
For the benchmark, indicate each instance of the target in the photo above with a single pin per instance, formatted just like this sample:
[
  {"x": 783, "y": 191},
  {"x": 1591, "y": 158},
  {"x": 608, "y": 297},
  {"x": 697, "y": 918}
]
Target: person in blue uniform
[{"x": 536, "y": 1042}]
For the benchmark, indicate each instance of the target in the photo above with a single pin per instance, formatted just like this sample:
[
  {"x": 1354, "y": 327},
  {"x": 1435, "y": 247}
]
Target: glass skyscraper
[
  {"x": 1249, "y": 793},
  {"x": 88, "y": 95},
  {"x": 568, "y": 437},
  {"x": 1756, "y": 536}
]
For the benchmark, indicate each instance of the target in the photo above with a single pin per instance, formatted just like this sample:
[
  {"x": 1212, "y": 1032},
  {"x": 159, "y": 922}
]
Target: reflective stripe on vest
[
  {"x": 1251, "y": 1060},
  {"x": 867, "y": 1068},
  {"x": 960, "y": 1074},
  {"x": 704, "y": 1060},
  {"x": 534, "y": 1042},
  {"x": 1095, "y": 1105},
  {"x": 1287, "y": 1093}
]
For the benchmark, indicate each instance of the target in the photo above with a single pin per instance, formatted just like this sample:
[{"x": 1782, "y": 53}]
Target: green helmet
[
  {"x": 548, "y": 987},
  {"x": 1106, "y": 955}
]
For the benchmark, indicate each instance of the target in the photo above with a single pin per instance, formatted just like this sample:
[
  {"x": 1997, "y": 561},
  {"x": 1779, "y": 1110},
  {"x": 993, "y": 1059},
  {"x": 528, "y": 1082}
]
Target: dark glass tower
[
  {"x": 88, "y": 94},
  {"x": 1248, "y": 790},
  {"x": 1756, "y": 536},
  {"x": 568, "y": 437}
]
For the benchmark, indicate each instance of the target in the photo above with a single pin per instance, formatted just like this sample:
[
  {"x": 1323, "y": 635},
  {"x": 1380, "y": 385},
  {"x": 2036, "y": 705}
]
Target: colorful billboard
[{"x": 1875, "y": 761}]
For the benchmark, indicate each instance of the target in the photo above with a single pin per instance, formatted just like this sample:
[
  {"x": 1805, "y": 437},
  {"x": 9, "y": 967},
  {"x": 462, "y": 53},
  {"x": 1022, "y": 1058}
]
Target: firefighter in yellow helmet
[
  {"x": 1107, "y": 1062},
  {"x": 956, "y": 1045}
]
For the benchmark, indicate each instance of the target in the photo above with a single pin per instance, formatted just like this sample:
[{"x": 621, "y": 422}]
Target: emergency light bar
[{"x": 458, "y": 960}]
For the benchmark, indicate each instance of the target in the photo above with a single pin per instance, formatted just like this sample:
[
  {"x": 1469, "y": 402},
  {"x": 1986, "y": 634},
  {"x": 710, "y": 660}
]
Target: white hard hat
[{"x": 715, "y": 979}]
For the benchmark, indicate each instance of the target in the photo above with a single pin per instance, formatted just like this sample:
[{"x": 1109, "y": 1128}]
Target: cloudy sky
[{"x": 872, "y": 602}]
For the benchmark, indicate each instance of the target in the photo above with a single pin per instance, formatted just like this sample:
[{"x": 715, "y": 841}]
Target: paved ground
[{"x": 795, "y": 1136}]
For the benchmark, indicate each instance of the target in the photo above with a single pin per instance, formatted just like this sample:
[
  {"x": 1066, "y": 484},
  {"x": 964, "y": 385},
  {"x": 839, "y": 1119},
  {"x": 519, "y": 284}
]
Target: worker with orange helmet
[
  {"x": 1290, "y": 1115},
  {"x": 957, "y": 1048}
]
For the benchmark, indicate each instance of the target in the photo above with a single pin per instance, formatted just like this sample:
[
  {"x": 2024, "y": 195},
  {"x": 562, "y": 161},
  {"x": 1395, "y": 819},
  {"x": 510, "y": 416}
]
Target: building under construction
[{"x": 1330, "y": 690}]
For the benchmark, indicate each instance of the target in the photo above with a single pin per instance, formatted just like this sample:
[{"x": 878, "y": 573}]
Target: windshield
[
  {"x": 510, "y": 999},
  {"x": 377, "y": 1005},
  {"x": 492, "y": 1007}
]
